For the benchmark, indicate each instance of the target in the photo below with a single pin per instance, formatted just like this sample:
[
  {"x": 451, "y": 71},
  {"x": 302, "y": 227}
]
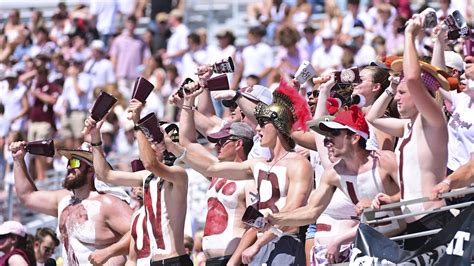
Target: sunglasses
[
  {"x": 263, "y": 121},
  {"x": 334, "y": 132},
  {"x": 224, "y": 141},
  {"x": 74, "y": 163},
  {"x": 314, "y": 93}
]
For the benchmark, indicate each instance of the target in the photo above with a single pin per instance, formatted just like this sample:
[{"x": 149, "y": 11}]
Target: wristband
[
  {"x": 187, "y": 107},
  {"x": 182, "y": 155},
  {"x": 136, "y": 128},
  {"x": 96, "y": 144},
  {"x": 236, "y": 97}
]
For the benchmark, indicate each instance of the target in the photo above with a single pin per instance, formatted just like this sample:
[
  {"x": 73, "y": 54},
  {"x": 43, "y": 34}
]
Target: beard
[{"x": 78, "y": 181}]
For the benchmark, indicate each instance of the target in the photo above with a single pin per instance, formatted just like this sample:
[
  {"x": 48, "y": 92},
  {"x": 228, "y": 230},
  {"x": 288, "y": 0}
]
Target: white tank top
[
  {"x": 272, "y": 186},
  {"x": 222, "y": 202},
  {"x": 368, "y": 185}
]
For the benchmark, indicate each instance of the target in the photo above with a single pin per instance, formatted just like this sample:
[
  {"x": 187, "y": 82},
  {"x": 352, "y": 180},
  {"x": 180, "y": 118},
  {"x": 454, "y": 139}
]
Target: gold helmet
[{"x": 289, "y": 110}]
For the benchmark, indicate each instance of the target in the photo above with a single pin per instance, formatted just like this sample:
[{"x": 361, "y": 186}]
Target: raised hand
[
  {"x": 414, "y": 25},
  {"x": 134, "y": 109},
  {"x": 18, "y": 149},
  {"x": 192, "y": 90},
  {"x": 204, "y": 72}
]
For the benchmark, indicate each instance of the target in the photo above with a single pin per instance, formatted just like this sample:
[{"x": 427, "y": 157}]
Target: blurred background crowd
[{"x": 56, "y": 57}]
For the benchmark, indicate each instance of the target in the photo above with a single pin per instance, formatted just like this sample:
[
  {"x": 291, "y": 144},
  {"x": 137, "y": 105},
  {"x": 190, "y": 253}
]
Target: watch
[{"x": 236, "y": 97}]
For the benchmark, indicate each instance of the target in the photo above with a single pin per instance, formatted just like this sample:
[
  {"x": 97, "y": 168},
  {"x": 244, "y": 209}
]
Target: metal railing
[{"x": 368, "y": 216}]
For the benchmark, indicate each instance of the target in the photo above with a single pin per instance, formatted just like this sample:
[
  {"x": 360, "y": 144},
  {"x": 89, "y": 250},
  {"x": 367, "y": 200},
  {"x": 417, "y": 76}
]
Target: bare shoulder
[
  {"x": 60, "y": 194},
  {"x": 297, "y": 163},
  {"x": 108, "y": 200},
  {"x": 330, "y": 176}
]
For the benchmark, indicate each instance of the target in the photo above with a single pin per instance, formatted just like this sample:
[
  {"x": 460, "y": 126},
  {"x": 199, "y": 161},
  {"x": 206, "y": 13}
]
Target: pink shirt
[{"x": 130, "y": 52}]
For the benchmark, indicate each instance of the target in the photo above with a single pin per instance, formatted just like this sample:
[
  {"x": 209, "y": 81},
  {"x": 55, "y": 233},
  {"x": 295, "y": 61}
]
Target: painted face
[
  {"x": 267, "y": 132},
  {"x": 405, "y": 104},
  {"x": 77, "y": 171}
]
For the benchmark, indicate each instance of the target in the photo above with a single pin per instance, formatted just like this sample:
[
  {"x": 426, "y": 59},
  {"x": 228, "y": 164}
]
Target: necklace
[{"x": 271, "y": 166}]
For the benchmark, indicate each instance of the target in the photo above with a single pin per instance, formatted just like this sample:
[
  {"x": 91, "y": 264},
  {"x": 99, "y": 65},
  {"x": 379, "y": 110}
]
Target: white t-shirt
[
  {"x": 257, "y": 58},
  {"x": 327, "y": 59},
  {"x": 365, "y": 56},
  {"x": 102, "y": 72},
  {"x": 460, "y": 130},
  {"x": 11, "y": 100},
  {"x": 105, "y": 10},
  {"x": 69, "y": 93}
]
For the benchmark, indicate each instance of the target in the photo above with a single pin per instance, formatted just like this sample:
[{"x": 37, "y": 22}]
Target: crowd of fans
[{"x": 400, "y": 129}]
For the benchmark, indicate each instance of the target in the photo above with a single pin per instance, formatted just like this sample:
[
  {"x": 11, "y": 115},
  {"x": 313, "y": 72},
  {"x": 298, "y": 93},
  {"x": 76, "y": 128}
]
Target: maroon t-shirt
[
  {"x": 16, "y": 251},
  {"x": 41, "y": 111}
]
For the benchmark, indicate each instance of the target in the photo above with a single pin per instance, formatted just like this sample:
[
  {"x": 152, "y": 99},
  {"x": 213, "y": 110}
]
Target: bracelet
[
  {"x": 96, "y": 144},
  {"x": 187, "y": 107},
  {"x": 389, "y": 92},
  {"x": 179, "y": 158},
  {"x": 136, "y": 128}
]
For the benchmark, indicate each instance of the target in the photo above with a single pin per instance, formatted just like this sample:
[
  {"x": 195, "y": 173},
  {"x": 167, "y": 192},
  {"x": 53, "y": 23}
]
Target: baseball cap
[
  {"x": 12, "y": 227},
  {"x": 237, "y": 129},
  {"x": 327, "y": 34},
  {"x": 357, "y": 31},
  {"x": 258, "y": 93},
  {"x": 454, "y": 60},
  {"x": 314, "y": 124},
  {"x": 352, "y": 119},
  {"x": 98, "y": 45},
  {"x": 10, "y": 73}
]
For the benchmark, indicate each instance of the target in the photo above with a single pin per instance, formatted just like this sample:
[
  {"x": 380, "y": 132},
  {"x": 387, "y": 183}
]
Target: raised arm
[
  {"x": 439, "y": 46},
  {"x": 324, "y": 90},
  {"x": 425, "y": 104},
  {"x": 317, "y": 203},
  {"x": 40, "y": 201},
  {"x": 102, "y": 168},
  {"x": 391, "y": 126},
  {"x": 187, "y": 127},
  {"x": 208, "y": 166},
  {"x": 174, "y": 174}
]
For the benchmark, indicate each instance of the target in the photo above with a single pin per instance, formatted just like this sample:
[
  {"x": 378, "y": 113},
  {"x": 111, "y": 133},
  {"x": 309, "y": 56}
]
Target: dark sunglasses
[
  {"x": 263, "y": 121},
  {"x": 222, "y": 142},
  {"x": 314, "y": 93},
  {"x": 74, "y": 163},
  {"x": 334, "y": 132}
]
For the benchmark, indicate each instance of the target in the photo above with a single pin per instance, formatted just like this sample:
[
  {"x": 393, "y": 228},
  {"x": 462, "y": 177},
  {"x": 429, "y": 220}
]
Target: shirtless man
[
  {"x": 422, "y": 147},
  {"x": 284, "y": 182},
  {"x": 158, "y": 228},
  {"x": 358, "y": 174},
  {"x": 227, "y": 200},
  {"x": 88, "y": 224}
]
